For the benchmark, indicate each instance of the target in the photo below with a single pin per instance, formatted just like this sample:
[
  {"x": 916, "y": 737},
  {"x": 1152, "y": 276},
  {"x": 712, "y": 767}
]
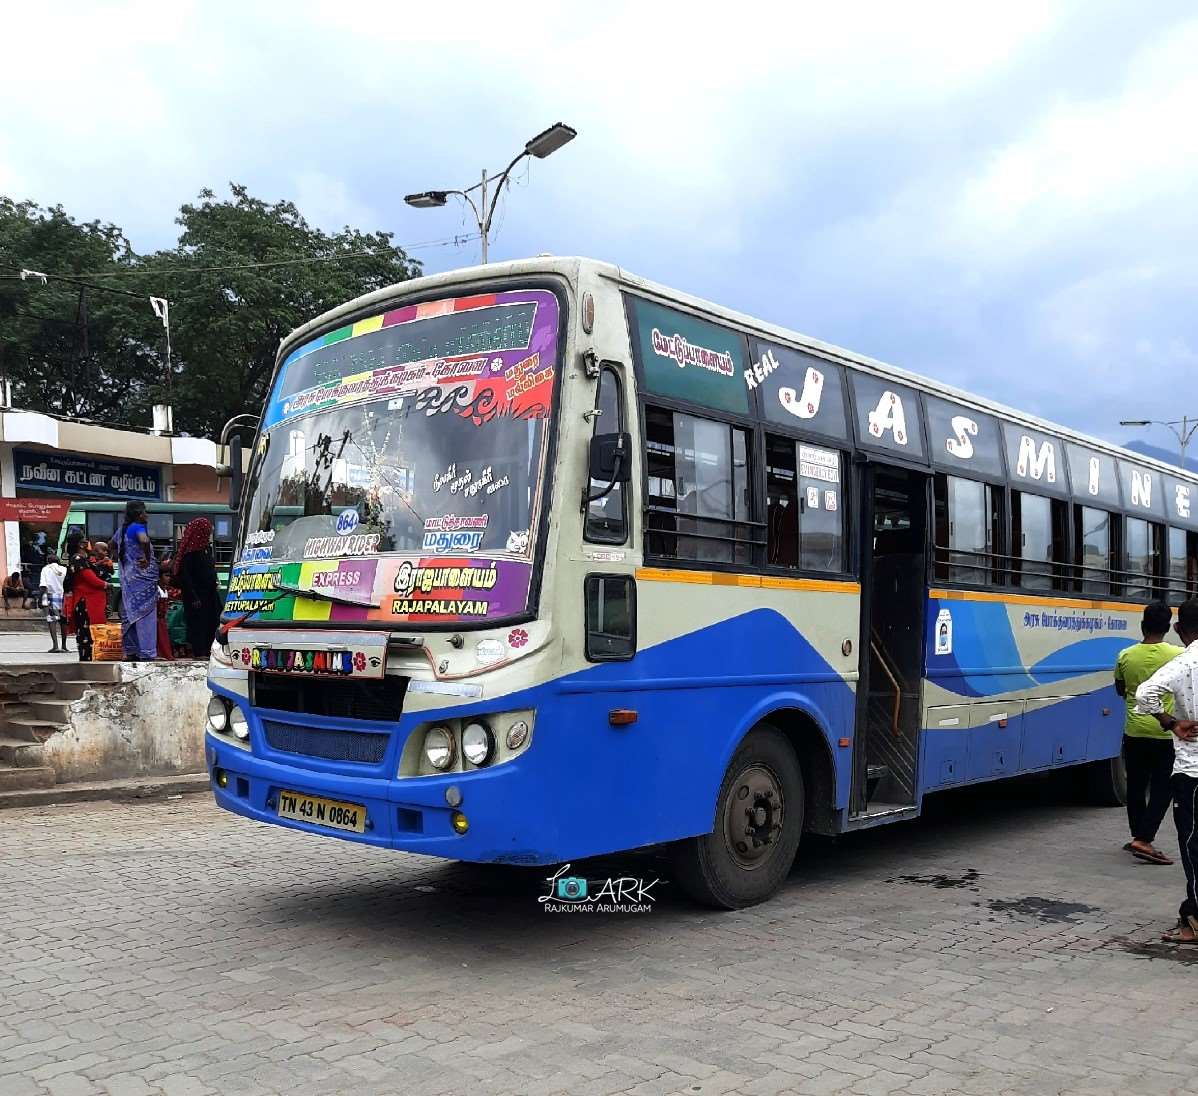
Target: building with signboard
[{"x": 47, "y": 463}]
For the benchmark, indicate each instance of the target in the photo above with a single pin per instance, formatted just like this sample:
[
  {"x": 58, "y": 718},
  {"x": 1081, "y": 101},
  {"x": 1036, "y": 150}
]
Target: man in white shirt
[
  {"x": 52, "y": 577},
  {"x": 1179, "y": 679}
]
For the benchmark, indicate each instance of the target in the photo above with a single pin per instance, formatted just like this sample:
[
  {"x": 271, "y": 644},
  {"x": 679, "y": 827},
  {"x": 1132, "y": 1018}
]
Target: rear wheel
[
  {"x": 1105, "y": 782},
  {"x": 758, "y": 823}
]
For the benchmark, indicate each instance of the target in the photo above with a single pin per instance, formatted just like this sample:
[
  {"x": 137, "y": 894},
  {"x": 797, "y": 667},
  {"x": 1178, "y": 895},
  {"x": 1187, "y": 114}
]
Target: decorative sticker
[
  {"x": 452, "y": 533},
  {"x": 481, "y": 356},
  {"x": 358, "y": 544},
  {"x": 428, "y": 589},
  {"x": 689, "y": 358},
  {"x": 820, "y": 464},
  {"x": 258, "y": 546},
  {"x": 830, "y": 501},
  {"x": 812, "y": 498},
  {"x": 944, "y": 632}
]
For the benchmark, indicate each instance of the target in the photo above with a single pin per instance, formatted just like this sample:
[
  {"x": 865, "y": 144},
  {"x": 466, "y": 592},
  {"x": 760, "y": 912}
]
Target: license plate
[{"x": 330, "y": 813}]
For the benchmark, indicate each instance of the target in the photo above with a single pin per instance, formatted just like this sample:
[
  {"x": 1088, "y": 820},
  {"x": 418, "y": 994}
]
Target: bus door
[{"x": 893, "y": 604}]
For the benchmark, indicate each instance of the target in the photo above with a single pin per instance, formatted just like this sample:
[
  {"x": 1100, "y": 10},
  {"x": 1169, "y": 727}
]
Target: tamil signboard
[
  {"x": 41, "y": 511},
  {"x": 63, "y": 472}
]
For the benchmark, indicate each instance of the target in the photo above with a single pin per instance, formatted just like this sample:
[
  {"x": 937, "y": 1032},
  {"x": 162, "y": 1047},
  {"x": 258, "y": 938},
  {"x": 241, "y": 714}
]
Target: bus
[
  {"x": 542, "y": 560},
  {"x": 165, "y": 524}
]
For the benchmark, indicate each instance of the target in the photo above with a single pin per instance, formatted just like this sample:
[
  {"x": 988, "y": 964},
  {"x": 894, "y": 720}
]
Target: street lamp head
[
  {"x": 1135, "y": 422},
  {"x": 544, "y": 144},
  {"x": 427, "y": 199}
]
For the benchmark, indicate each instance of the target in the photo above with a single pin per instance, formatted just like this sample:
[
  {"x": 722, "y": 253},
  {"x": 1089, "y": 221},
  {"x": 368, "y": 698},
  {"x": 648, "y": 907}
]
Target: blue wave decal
[
  {"x": 985, "y": 659},
  {"x": 1083, "y": 657}
]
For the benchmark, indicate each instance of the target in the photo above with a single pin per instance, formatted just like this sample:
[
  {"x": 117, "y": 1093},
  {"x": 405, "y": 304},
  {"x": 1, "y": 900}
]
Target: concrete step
[
  {"x": 86, "y": 671},
  {"x": 30, "y": 728},
  {"x": 51, "y": 710},
  {"x": 18, "y": 780},
  {"x": 19, "y": 684},
  {"x": 19, "y": 754}
]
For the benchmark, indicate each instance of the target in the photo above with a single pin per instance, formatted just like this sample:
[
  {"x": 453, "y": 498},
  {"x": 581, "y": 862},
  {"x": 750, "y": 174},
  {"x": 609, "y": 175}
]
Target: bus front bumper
[{"x": 413, "y": 814}]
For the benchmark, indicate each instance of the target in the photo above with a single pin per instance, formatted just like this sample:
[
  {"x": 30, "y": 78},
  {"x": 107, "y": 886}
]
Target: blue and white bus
[{"x": 540, "y": 560}]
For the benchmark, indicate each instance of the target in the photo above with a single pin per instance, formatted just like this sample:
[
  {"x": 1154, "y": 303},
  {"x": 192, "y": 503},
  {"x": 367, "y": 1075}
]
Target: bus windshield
[
  {"x": 410, "y": 474},
  {"x": 419, "y": 432}
]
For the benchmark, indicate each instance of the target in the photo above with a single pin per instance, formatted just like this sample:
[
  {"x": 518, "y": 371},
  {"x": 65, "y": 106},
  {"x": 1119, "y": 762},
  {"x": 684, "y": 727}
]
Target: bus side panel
[
  {"x": 584, "y": 787},
  {"x": 695, "y": 696},
  {"x": 1029, "y": 678}
]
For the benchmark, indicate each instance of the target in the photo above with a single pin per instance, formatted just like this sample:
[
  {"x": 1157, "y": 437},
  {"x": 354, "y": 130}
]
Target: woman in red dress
[{"x": 86, "y": 598}]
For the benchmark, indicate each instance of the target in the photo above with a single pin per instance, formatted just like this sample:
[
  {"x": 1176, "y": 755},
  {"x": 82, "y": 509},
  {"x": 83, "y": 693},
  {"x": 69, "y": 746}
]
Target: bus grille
[
  {"x": 358, "y": 746},
  {"x": 381, "y": 701}
]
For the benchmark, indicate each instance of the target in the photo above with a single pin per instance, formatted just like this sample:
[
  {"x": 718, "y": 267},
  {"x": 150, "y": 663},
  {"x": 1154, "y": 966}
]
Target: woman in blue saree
[{"x": 139, "y": 586}]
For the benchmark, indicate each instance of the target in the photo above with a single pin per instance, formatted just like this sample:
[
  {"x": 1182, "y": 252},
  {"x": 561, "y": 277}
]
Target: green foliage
[
  {"x": 89, "y": 357},
  {"x": 240, "y": 279}
]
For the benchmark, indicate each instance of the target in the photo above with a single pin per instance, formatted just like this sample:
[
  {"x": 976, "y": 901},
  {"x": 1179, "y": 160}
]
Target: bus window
[
  {"x": 1039, "y": 539},
  {"x": 1178, "y": 583},
  {"x": 964, "y": 529},
  {"x": 698, "y": 473},
  {"x": 805, "y": 509},
  {"x": 1092, "y": 549},
  {"x": 102, "y": 524},
  {"x": 782, "y": 503},
  {"x": 1143, "y": 544},
  {"x": 161, "y": 527},
  {"x": 606, "y": 521}
]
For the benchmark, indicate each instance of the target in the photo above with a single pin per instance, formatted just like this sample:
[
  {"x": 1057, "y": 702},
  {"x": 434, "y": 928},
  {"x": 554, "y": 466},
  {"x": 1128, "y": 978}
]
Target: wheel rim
[{"x": 754, "y": 811}]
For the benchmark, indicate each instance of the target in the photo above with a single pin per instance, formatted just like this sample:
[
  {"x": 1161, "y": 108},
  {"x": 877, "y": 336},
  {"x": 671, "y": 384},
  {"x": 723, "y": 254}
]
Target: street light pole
[
  {"x": 540, "y": 146},
  {"x": 1183, "y": 430}
]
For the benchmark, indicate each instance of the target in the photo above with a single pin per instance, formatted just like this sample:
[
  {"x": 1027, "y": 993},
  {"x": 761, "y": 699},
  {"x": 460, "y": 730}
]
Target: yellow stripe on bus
[
  {"x": 769, "y": 582},
  {"x": 1031, "y": 599}
]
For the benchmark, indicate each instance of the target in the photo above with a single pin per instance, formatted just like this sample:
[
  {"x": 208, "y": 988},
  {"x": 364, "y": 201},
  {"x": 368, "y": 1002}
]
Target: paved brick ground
[{"x": 1003, "y": 944}]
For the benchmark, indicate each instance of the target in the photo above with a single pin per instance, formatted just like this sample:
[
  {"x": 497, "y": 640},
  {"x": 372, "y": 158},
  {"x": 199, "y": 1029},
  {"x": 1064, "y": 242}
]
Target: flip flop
[
  {"x": 1153, "y": 857},
  {"x": 1173, "y": 936}
]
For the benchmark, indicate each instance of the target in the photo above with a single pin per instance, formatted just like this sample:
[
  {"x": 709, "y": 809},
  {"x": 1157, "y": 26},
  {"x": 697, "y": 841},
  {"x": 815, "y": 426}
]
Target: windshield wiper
[{"x": 325, "y": 595}]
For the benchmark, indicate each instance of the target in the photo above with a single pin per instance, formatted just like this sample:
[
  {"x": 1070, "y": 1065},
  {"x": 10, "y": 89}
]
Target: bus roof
[
  {"x": 570, "y": 267},
  {"x": 153, "y": 506}
]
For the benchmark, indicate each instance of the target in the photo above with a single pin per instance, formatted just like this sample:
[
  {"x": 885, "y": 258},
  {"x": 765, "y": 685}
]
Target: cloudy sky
[{"x": 1004, "y": 197}]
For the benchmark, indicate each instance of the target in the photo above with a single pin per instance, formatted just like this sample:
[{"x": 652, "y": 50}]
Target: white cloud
[{"x": 1108, "y": 155}]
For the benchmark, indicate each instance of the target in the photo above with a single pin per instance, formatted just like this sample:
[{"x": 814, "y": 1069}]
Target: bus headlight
[
  {"x": 439, "y": 748},
  {"x": 218, "y": 715},
  {"x": 477, "y": 744},
  {"x": 239, "y": 725}
]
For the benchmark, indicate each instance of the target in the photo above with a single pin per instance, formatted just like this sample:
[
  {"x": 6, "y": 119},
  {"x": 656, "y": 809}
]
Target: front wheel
[
  {"x": 758, "y": 823},
  {"x": 1106, "y": 782}
]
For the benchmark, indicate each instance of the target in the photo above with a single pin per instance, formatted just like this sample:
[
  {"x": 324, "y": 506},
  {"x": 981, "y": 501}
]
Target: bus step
[{"x": 874, "y": 775}]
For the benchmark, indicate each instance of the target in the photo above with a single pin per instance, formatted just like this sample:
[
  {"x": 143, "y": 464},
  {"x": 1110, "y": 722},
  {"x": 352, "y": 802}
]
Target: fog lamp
[
  {"x": 222, "y": 778},
  {"x": 459, "y": 822}
]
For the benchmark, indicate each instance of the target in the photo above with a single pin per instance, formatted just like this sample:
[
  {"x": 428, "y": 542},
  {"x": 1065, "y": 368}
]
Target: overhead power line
[{"x": 166, "y": 271}]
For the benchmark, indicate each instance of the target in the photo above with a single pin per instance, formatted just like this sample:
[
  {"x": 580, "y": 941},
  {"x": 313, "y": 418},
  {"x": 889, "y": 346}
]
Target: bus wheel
[
  {"x": 758, "y": 823},
  {"x": 1106, "y": 782}
]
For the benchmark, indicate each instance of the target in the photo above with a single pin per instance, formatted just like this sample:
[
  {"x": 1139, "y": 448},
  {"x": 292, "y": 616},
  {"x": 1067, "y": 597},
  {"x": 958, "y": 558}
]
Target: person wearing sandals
[
  {"x": 1147, "y": 748},
  {"x": 1178, "y": 679}
]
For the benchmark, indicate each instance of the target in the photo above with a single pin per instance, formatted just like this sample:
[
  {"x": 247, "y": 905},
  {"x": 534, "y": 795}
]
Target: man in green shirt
[{"x": 1147, "y": 749}]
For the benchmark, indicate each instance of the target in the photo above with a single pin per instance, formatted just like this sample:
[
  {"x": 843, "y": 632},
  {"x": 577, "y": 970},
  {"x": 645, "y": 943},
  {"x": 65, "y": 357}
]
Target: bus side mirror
[
  {"x": 611, "y": 458},
  {"x": 235, "y": 474}
]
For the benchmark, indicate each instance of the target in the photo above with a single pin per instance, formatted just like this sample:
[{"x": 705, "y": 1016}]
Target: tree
[
  {"x": 244, "y": 274},
  {"x": 226, "y": 324},
  {"x": 69, "y": 349}
]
